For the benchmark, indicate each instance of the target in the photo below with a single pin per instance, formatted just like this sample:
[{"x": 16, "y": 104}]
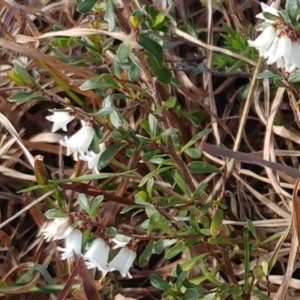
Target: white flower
[
  {"x": 268, "y": 9},
  {"x": 97, "y": 256},
  {"x": 120, "y": 240},
  {"x": 58, "y": 229},
  {"x": 264, "y": 41},
  {"x": 61, "y": 119},
  {"x": 80, "y": 141},
  {"x": 92, "y": 158},
  {"x": 123, "y": 261},
  {"x": 280, "y": 49},
  {"x": 295, "y": 56},
  {"x": 73, "y": 243}
]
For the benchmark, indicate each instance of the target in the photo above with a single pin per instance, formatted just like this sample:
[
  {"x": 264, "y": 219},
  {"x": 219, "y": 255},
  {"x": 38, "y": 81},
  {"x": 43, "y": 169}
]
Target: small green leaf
[
  {"x": 252, "y": 229},
  {"x": 200, "y": 189},
  {"x": 104, "y": 112},
  {"x": 156, "y": 221},
  {"x": 237, "y": 65},
  {"x": 23, "y": 97},
  {"x": 161, "y": 245},
  {"x": 123, "y": 52},
  {"x": 95, "y": 205},
  {"x": 194, "y": 218},
  {"x": 258, "y": 272},
  {"x": 190, "y": 263},
  {"x": 110, "y": 15},
  {"x": 111, "y": 231},
  {"x": 116, "y": 135},
  {"x": 217, "y": 222},
  {"x": 159, "y": 283},
  {"x": 168, "y": 132},
  {"x": 193, "y": 153},
  {"x": 116, "y": 119},
  {"x": 145, "y": 124},
  {"x": 191, "y": 294},
  {"x": 92, "y": 83},
  {"x": 279, "y": 83},
  {"x": 62, "y": 42},
  {"x": 84, "y": 203},
  {"x": 171, "y": 102},
  {"x": 28, "y": 276},
  {"x": 154, "y": 173},
  {"x": 272, "y": 237},
  {"x": 195, "y": 116},
  {"x": 153, "y": 124},
  {"x": 141, "y": 198},
  {"x": 111, "y": 83},
  {"x": 160, "y": 21},
  {"x": 291, "y": 7},
  {"x": 85, "y": 6},
  {"x": 134, "y": 72},
  {"x": 22, "y": 72},
  {"x": 149, "y": 187},
  {"x": 153, "y": 47},
  {"x": 172, "y": 252},
  {"x": 163, "y": 74},
  {"x": 295, "y": 77},
  {"x": 150, "y": 154},
  {"x": 146, "y": 255},
  {"x": 181, "y": 278},
  {"x": 196, "y": 138},
  {"x": 181, "y": 182},
  {"x": 77, "y": 61},
  {"x": 265, "y": 267},
  {"x": 158, "y": 247},
  {"x": 218, "y": 241},
  {"x": 202, "y": 167},
  {"x": 268, "y": 74},
  {"x": 109, "y": 153},
  {"x": 54, "y": 213}
]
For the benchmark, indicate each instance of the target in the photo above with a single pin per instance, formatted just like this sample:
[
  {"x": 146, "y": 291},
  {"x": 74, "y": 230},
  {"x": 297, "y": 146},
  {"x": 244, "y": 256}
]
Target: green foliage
[
  {"x": 153, "y": 172},
  {"x": 85, "y": 6},
  {"x": 54, "y": 213},
  {"x": 237, "y": 43},
  {"x": 291, "y": 7}
]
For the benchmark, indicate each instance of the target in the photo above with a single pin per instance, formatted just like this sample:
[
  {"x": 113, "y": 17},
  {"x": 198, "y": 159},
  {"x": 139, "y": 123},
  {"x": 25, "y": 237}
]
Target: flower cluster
[
  {"x": 278, "y": 42},
  {"x": 79, "y": 143},
  {"x": 97, "y": 254}
]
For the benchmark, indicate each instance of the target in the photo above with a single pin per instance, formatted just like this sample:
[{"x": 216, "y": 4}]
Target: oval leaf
[
  {"x": 153, "y": 47},
  {"x": 216, "y": 223},
  {"x": 202, "y": 167}
]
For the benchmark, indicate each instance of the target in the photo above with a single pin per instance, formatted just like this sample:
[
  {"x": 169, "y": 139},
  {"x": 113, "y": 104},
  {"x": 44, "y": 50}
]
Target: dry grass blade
[
  {"x": 269, "y": 143},
  {"x": 195, "y": 41},
  {"x": 78, "y": 32},
  {"x": 22, "y": 211},
  {"x": 283, "y": 289},
  {"x": 10, "y": 128}
]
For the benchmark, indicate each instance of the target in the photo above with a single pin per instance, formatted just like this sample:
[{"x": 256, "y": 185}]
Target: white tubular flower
[
  {"x": 92, "y": 158},
  {"x": 73, "y": 243},
  {"x": 295, "y": 54},
  {"x": 97, "y": 256},
  {"x": 61, "y": 119},
  {"x": 58, "y": 229},
  {"x": 123, "y": 261},
  {"x": 80, "y": 141},
  {"x": 120, "y": 240},
  {"x": 280, "y": 49},
  {"x": 264, "y": 41},
  {"x": 268, "y": 9}
]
